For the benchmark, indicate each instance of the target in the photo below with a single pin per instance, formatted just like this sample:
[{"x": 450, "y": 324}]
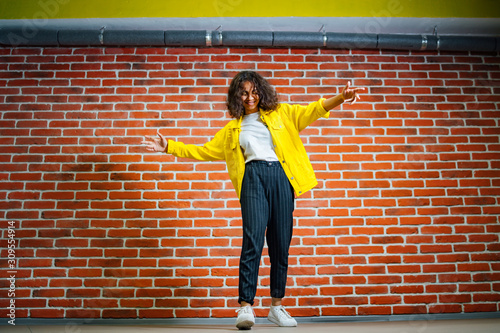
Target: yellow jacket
[{"x": 284, "y": 123}]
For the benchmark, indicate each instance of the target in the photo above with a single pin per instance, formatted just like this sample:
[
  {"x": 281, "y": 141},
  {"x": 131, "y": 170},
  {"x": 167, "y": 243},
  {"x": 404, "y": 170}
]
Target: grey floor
[{"x": 421, "y": 326}]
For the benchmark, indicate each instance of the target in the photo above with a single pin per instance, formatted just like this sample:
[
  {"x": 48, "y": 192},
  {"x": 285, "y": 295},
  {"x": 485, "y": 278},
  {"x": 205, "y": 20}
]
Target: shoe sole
[
  {"x": 245, "y": 325},
  {"x": 274, "y": 321}
]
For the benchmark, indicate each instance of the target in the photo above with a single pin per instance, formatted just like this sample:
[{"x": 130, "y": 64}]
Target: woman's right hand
[{"x": 155, "y": 144}]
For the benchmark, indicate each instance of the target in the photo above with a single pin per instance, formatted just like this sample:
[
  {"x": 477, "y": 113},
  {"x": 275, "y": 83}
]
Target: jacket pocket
[
  {"x": 277, "y": 124},
  {"x": 273, "y": 121}
]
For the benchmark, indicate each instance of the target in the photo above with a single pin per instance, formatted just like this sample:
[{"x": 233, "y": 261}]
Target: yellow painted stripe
[{"x": 59, "y": 9}]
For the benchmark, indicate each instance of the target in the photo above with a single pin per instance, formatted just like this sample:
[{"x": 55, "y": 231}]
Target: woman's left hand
[{"x": 351, "y": 94}]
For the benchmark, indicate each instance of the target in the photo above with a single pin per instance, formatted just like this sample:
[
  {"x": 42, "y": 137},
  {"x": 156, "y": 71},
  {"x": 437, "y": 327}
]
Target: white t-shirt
[{"x": 256, "y": 140}]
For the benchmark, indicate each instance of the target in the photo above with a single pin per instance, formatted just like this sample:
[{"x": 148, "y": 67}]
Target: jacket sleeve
[
  {"x": 210, "y": 151},
  {"x": 302, "y": 116}
]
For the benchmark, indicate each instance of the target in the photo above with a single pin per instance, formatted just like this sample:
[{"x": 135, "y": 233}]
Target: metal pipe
[
  {"x": 351, "y": 41},
  {"x": 451, "y": 43},
  {"x": 298, "y": 39},
  {"x": 247, "y": 38},
  {"x": 401, "y": 42},
  {"x": 134, "y": 37},
  {"x": 216, "y": 38},
  {"x": 83, "y": 37},
  {"x": 186, "y": 38}
]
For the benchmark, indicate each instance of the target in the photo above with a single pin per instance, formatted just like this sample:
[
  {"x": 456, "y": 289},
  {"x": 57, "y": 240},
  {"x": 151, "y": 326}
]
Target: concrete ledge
[{"x": 260, "y": 320}]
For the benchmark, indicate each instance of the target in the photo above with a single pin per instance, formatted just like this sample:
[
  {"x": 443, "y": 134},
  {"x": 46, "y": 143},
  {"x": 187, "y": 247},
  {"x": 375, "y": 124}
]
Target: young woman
[{"x": 268, "y": 166}]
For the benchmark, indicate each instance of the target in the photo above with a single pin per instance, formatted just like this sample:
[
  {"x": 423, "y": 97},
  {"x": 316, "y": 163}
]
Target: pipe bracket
[
  {"x": 101, "y": 35},
  {"x": 424, "y": 43},
  {"x": 208, "y": 38}
]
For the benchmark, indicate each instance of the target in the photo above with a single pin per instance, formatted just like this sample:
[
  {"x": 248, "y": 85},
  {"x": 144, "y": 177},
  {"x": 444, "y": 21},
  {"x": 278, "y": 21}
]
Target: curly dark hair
[{"x": 268, "y": 98}]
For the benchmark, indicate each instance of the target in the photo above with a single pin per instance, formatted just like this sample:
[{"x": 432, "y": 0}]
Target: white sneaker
[
  {"x": 246, "y": 318},
  {"x": 280, "y": 317}
]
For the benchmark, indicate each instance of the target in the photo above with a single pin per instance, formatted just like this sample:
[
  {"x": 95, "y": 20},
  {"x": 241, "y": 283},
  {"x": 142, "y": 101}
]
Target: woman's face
[{"x": 250, "y": 98}]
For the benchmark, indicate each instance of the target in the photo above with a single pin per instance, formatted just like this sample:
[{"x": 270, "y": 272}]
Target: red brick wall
[{"x": 405, "y": 218}]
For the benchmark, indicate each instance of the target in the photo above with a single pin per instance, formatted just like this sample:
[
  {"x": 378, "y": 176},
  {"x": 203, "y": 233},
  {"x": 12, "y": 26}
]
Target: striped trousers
[{"x": 267, "y": 203}]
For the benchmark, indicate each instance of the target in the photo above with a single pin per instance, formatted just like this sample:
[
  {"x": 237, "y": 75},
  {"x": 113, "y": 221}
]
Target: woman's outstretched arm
[
  {"x": 213, "y": 150},
  {"x": 156, "y": 144},
  {"x": 348, "y": 95}
]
